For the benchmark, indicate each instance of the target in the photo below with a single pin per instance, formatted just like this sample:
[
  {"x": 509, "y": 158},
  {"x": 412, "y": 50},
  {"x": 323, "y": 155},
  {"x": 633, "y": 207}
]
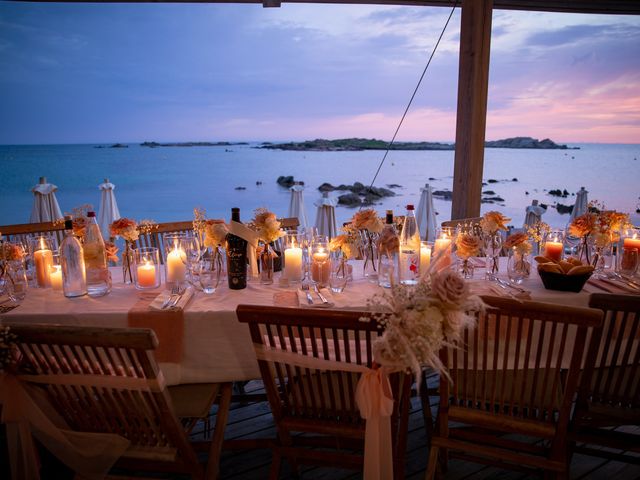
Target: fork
[
  {"x": 320, "y": 296},
  {"x": 305, "y": 288},
  {"x": 173, "y": 298}
]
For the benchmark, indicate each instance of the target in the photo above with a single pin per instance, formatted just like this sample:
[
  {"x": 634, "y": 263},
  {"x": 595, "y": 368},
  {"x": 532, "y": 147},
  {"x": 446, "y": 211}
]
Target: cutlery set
[{"x": 305, "y": 288}]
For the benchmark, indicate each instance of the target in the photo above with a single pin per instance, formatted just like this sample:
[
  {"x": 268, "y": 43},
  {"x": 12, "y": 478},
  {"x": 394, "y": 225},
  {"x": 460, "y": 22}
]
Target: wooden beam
[{"x": 473, "y": 84}]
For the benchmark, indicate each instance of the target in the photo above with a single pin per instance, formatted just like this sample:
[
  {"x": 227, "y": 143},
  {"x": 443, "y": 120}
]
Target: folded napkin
[
  {"x": 612, "y": 286},
  {"x": 158, "y": 302},
  {"x": 317, "y": 303}
]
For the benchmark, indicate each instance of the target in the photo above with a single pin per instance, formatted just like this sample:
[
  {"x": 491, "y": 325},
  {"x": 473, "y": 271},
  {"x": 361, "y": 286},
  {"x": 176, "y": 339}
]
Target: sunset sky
[{"x": 130, "y": 73}]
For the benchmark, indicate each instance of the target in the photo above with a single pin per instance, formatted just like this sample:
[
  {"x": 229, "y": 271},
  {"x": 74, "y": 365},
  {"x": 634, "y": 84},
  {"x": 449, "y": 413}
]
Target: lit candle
[
  {"x": 176, "y": 265},
  {"x": 553, "y": 250},
  {"x": 293, "y": 263},
  {"x": 147, "y": 275},
  {"x": 56, "y": 277},
  {"x": 630, "y": 243},
  {"x": 320, "y": 267},
  {"x": 425, "y": 257},
  {"x": 442, "y": 243},
  {"x": 43, "y": 260}
]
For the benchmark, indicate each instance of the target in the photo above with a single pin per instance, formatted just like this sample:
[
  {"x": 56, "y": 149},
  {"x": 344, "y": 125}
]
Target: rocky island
[
  {"x": 359, "y": 144},
  {"x": 190, "y": 144}
]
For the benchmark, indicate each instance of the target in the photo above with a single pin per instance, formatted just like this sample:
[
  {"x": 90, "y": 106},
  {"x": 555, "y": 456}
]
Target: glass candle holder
[
  {"x": 553, "y": 245},
  {"x": 629, "y": 250},
  {"x": 320, "y": 263},
  {"x": 425, "y": 256},
  {"x": 42, "y": 254},
  {"x": 55, "y": 275},
  {"x": 293, "y": 257},
  {"x": 175, "y": 264},
  {"x": 444, "y": 240},
  {"x": 147, "y": 267}
]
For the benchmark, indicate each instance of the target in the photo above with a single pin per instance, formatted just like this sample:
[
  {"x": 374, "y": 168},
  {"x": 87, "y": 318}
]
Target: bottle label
[{"x": 409, "y": 265}]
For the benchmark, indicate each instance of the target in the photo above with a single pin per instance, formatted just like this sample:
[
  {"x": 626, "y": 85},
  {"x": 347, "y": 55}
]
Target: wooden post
[{"x": 473, "y": 83}]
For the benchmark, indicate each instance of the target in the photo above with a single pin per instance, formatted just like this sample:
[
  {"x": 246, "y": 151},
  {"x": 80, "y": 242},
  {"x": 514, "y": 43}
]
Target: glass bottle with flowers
[
  {"x": 343, "y": 248},
  {"x": 467, "y": 245},
  {"x": 215, "y": 234},
  {"x": 609, "y": 224},
  {"x": 518, "y": 264},
  {"x": 582, "y": 228},
  {"x": 13, "y": 278},
  {"x": 537, "y": 232},
  {"x": 129, "y": 230},
  {"x": 369, "y": 224},
  {"x": 268, "y": 228},
  {"x": 491, "y": 224}
]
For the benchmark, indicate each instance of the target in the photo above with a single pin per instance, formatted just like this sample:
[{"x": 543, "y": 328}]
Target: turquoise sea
[{"x": 166, "y": 183}]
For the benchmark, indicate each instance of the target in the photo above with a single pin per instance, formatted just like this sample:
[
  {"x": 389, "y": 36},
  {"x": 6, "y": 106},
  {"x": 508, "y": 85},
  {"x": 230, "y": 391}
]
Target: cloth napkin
[
  {"x": 611, "y": 286},
  {"x": 317, "y": 303},
  {"x": 164, "y": 296}
]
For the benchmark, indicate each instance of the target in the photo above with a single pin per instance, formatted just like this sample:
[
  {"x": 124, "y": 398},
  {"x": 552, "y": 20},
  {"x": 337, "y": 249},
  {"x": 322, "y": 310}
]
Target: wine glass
[{"x": 193, "y": 252}]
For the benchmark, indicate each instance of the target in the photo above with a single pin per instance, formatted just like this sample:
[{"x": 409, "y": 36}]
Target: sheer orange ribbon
[
  {"x": 373, "y": 397},
  {"x": 26, "y": 412}
]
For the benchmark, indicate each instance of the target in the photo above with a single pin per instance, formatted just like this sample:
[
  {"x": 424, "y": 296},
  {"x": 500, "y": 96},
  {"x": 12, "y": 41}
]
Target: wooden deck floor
[{"x": 254, "y": 420}]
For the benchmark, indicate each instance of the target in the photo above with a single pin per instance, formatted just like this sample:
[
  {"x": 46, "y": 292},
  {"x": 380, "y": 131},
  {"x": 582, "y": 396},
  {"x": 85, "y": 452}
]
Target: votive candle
[
  {"x": 442, "y": 243},
  {"x": 56, "y": 277},
  {"x": 425, "y": 257},
  {"x": 630, "y": 243},
  {"x": 147, "y": 275},
  {"x": 176, "y": 265},
  {"x": 553, "y": 250},
  {"x": 320, "y": 267},
  {"x": 293, "y": 263}
]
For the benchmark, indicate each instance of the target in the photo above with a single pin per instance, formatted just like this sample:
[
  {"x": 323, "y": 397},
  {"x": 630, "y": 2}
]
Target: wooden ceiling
[{"x": 618, "y": 7}]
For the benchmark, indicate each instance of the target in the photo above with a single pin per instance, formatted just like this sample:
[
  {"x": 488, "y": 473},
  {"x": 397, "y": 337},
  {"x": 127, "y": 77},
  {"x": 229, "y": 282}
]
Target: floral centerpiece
[
  {"x": 211, "y": 235},
  {"x": 268, "y": 228},
  {"x": 467, "y": 245},
  {"x": 597, "y": 229},
  {"x": 537, "y": 232},
  {"x": 422, "y": 319},
  {"x": 491, "y": 224},
  {"x": 519, "y": 249},
  {"x": 345, "y": 246},
  {"x": 129, "y": 230},
  {"x": 12, "y": 268},
  {"x": 369, "y": 224},
  {"x": 582, "y": 227}
]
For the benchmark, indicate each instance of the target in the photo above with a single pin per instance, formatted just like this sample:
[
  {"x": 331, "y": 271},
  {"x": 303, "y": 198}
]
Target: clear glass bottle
[
  {"x": 409, "y": 261},
  {"x": 388, "y": 253},
  {"x": 74, "y": 281},
  {"x": 95, "y": 259}
]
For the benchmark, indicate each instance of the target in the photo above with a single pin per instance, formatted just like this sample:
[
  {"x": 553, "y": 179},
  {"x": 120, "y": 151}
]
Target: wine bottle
[
  {"x": 409, "y": 271},
  {"x": 388, "y": 253},
  {"x": 74, "y": 282},
  {"x": 236, "y": 257},
  {"x": 95, "y": 259}
]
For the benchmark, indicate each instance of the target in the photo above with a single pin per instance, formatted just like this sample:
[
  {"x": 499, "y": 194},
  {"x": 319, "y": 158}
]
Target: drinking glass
[
  {"x": 518, "y": 266},
  {"x": 147, "y": 267},
  {"x": 339, "y": 275},
  {"x": 628, "y": 261},
  {"x": 209, "y": 274}
]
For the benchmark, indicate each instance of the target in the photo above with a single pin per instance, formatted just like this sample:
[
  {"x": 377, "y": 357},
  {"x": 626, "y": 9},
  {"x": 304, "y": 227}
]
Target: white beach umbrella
[
  {"x": 582, "y": 204},
  {"x": 45, "y": 205},
  {"x": 326, "y": 216},
  {"x": 296, "y": 205},
  {"x": 108, "y": 207},
  {"x": 426, "y": 215},
  {"x": 533, "y": 214}
]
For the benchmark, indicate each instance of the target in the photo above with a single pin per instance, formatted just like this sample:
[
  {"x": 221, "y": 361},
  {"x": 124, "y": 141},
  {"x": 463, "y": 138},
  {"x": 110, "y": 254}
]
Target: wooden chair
[
  {"x": 609, "y": 393},
  {"x": 22, "y": 233},
  {"x": 148, "y": 419},
  {"x": 321, "y": 402},
  {"x": 469, "y": 222},
  {"x": 155, "y": 238},
  {"x": 515, "y": 373},
  {"x": 290, "y": 223}
]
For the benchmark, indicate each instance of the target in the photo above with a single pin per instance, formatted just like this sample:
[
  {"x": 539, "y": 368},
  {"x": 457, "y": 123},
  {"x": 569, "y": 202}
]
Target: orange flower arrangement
[
  {"x": 111, "y": 250},
  {"x": 468, "y": 245},
  {"x": 493, "y": 221},
  {"x": 125, "y": 228},
  {"x": 367, "y": 219},
  {"x": 519, "y": 241},
  {"x": 215, "y": 233},
  {"x": 11, "y": 251},
  {"x": 583, "y": 225}
]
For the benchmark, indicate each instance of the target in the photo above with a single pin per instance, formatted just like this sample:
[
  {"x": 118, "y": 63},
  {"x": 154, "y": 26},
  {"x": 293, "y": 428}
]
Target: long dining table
[{"x": 216, "y": 347}]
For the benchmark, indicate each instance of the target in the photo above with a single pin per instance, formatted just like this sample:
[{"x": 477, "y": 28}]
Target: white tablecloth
[{"x": 217, "y": 347}]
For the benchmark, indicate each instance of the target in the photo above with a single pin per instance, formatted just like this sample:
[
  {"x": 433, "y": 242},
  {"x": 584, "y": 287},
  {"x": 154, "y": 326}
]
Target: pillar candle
[
  {"x": 320, "y": 268},
  {"x": 553, "y": 250},
  {"x": 147, "y": 275},
  {"x": 176, "y": 265},
  {"x": 43, "y": 260},
  {"x": 293, "y": 264},
  {"x": 443, "y": 243},
  {"x": 631, "y": 242},
  {"x": 56, "y": 277},
  {"x": 425, "y": 258}
]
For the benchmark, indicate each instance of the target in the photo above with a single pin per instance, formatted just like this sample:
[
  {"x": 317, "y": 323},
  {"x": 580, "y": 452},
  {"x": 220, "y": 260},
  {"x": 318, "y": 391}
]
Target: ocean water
[{"x": 166, "y": 183}]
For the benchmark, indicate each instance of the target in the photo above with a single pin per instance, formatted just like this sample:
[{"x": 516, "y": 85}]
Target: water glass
[
  {"x": 518, "y": 266},
  {"x": 147, "y": 267},
  {"x": 339, "y": 276},
  {"x": 209, "y": 275},
  {"x": 628, "y": 263}
]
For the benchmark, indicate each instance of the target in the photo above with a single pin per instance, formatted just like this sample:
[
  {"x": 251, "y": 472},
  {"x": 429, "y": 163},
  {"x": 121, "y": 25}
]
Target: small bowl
[{"x": 562, "y": 282}]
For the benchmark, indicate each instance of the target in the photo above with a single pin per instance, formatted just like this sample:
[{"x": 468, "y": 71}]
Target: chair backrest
[
  {"x": 611, "y": 377},
  {"x": 463, "y": 222},
  {"x": 142, "y": 415},
  {"x": 513, "y": 363},
  {"x": 290, "y": 223},
  {"x": 22, "y": 233},
  {"x": 155, "y": 238},
  {"x": 323, "y": 401}
]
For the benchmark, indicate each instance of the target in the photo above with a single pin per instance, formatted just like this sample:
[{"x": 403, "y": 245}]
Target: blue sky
[{"x": 127, "y": 73}]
